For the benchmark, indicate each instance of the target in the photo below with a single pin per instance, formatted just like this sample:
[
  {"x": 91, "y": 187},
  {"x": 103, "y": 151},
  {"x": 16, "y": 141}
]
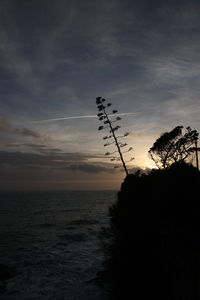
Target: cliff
[{"x": 153, "y": 250}]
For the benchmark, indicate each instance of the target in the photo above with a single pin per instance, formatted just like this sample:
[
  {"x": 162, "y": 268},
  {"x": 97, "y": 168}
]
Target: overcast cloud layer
[{"x": 58, "y": 56}]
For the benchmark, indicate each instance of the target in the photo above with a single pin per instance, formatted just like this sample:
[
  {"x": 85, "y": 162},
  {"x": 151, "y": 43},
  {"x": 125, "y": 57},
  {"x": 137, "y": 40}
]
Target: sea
[{"x": 51, "y": 241}]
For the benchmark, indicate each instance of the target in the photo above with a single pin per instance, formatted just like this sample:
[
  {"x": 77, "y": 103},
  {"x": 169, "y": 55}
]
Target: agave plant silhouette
[{"x": 107, "y": 119}]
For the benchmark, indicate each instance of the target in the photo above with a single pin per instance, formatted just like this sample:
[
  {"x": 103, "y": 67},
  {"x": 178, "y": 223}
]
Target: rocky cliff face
[{"x": 154, "y": 251}]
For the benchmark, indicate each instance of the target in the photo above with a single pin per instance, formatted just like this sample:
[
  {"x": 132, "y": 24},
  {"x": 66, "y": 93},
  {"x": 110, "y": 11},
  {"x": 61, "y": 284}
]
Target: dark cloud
[
  {"x": 91, "y": 168},
  {"x": 50, "y": 158},
  {"x": 52, "y": 171},
  {"x": 75, "y": 49},
  {"x": 20, "y": 159},
  {"x": 7, "y": 127},
  {"x": 38, "y": 148},
  {"x": 26, "y": 132},
  {"x": 10, "y": 144}
]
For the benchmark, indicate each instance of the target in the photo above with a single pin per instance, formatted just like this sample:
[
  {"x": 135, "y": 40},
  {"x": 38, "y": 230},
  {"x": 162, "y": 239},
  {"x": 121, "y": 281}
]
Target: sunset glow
[{"x": 59, "y": 56}]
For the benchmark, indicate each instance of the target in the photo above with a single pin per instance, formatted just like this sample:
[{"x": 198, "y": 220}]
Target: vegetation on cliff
[
  {"x": 154, "y": 235},
  {"x": 152, "y": 244}
]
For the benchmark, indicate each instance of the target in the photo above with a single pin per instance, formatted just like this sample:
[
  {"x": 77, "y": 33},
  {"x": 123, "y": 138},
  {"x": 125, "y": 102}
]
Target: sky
[{"x": 56, "y": 57}]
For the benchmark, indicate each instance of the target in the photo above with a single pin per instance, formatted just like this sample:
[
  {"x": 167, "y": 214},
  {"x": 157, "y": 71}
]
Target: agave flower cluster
[{"x": 109, "y": 120}]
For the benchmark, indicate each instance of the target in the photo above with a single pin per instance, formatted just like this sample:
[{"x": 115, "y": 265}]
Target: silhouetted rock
[
  {"x": 154, "y": 249},
  {"x": 6, "y": 272}
]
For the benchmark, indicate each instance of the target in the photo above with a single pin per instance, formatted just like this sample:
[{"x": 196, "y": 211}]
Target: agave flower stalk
[{"x": 104, "y": 116}]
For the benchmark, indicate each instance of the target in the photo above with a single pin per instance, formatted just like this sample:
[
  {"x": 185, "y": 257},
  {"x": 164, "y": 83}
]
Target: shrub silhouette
[{"x": 154, "y": 229}]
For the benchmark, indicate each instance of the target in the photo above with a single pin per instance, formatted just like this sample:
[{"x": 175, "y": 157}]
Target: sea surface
[{"x": 52, "y": 241}]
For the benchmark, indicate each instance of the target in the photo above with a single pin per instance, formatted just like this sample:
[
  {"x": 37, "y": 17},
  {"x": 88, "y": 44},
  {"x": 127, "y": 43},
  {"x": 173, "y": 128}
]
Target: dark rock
[
  {"x": 6, "y": 272},
  {"x": 153, "y": 251}
]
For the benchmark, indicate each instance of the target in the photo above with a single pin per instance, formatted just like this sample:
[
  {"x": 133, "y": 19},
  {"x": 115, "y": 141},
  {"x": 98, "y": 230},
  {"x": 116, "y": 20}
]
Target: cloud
[
  {"x": 11, "y": 144},
  {"x": 51, "y": 158},
  {"x": 5, "y": 125},
  {"x": 27, "y": 132},
  {"x": 91, "y": 168},
  {"x": 55, "y": 170},
  {"x": 55, "y": 161},
  {"x": 40, "y": 149},
  {"x": 21, "y": 169},
  {"x": 7, "y": 128},
  {"x": 138, "y": 134}
]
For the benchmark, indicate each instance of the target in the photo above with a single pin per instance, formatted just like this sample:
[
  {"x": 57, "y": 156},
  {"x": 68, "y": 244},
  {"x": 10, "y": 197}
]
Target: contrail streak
[{"x": 79, "y": 117}]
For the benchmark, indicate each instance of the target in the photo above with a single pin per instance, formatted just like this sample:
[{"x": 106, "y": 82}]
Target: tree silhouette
[
  {"x": 107, "y": 120},
  {"x": 174, "y": 146}
]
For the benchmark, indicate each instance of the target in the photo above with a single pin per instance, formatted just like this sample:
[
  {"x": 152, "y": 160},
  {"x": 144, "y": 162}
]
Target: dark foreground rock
[
  {"x": 6, "y": 273},
  {"x": 153, "y": 251}
]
